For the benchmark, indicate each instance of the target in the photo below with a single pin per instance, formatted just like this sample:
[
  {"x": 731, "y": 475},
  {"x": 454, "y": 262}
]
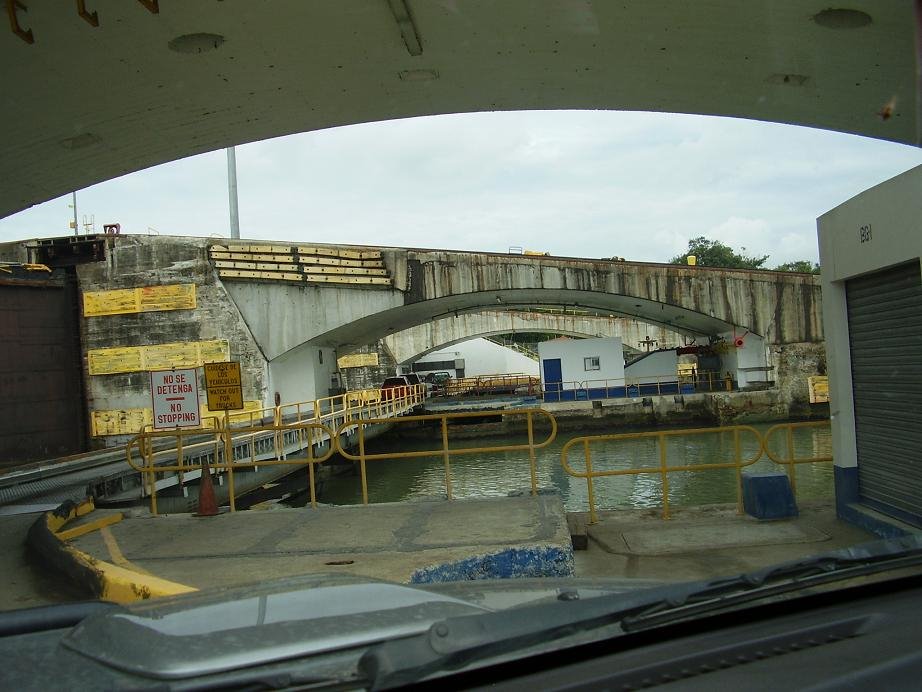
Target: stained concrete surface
[
  {"x": 709, "y": 541},
  {"x": 25, "y": 583},
  {"x": 390, "y": 541}
]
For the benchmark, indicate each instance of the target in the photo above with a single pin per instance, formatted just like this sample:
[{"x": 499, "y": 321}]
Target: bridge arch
[
  {"x": 170, "y": 91},
  {"x": 425, "y": 285},
  {"x": 412, "y": 344}
]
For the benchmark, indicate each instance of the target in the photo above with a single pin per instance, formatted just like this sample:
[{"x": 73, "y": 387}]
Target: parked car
[
  {"x": 437, "y": 381},
  {"x": 414, "y": 379},
  {"x": 395, "y": 387}
]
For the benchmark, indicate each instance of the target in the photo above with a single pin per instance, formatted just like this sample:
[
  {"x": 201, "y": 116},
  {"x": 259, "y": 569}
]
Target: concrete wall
[
  {"x": 137, "y": 261},
  {"x": 793, "y": 364},
  {"x": 572, "y": 353},
  {"x": 368, "y": 377},
  {"x": 303, "y": 374},
  {"x": 658, "y": 365}
]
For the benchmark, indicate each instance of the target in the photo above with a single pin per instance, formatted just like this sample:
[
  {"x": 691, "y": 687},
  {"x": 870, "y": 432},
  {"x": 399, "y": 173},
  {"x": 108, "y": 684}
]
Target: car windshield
[{"x": 651, "y": 270}]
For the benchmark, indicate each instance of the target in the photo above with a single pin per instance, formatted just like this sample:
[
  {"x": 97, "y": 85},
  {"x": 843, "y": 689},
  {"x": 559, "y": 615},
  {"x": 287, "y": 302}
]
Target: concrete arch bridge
[
  {"x": 297, "y": 319},
  {"x": 411, "y": 344},
  {"x": 286, "y": 312}
]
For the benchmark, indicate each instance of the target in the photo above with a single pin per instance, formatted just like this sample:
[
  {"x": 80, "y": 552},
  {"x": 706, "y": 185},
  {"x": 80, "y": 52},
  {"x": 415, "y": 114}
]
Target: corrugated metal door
[
  {"x": 41, "y": 393},
  {"x": 885, "y": 331}
]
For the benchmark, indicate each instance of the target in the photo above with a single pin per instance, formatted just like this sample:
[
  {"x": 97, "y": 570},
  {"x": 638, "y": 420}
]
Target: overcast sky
[{"x": 584, "y": 184}]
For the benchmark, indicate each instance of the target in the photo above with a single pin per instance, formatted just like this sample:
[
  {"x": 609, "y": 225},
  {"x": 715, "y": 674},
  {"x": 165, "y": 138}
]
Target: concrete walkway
[
  {"x": 706, "y": 542},
  {"x": 428, "y": 541},
  {"x": 402, "y": 542}
]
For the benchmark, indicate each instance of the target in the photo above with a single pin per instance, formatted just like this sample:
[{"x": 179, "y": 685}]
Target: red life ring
[{"x": 738, "y": 342}]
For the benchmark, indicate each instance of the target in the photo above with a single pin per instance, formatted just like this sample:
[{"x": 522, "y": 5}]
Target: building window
[{"x": 591, "y": 363}]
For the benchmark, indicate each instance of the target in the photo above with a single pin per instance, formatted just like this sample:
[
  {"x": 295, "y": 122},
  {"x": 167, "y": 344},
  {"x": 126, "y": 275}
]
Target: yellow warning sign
[
  {"x": 181, "y": 354},
  {"x": 357, "y": 360},
  {"x": 819, "y": 389},
  {"x": 121, "y": 421},
  {"x": 130, "y": 421},
  {"x": 142, "y": 299},
  {"x": 223, "y": 386}
]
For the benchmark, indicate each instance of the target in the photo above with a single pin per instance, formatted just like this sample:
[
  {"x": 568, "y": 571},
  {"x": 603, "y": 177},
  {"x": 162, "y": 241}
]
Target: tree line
[{"x": 713, "y": 253}]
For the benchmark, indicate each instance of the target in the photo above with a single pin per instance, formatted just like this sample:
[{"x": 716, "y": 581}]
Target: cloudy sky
[{"x": 584, "y": 184}]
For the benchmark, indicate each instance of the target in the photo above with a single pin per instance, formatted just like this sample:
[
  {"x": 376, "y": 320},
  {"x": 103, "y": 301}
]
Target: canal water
[{"x": 497, "y": 473}]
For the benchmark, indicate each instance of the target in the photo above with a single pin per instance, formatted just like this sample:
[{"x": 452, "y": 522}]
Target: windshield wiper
[
  {"x": 847, "y": 563},
  {"x": 456, "y": 642}
]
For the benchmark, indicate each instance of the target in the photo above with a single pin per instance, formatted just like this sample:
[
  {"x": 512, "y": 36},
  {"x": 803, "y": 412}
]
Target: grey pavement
[
  {"x": 26, "y": 584},
  {"x": 387, "y": 541},
  {"x": 709, "y": 541},
  {"x": 391, "y": 541}
]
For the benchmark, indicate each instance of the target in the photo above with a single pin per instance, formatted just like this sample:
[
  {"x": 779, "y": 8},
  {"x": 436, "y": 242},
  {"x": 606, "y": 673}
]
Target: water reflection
[{"x": 498, "y": 473}]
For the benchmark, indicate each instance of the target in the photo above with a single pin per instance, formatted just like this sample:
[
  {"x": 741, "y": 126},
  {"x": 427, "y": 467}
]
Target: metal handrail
[
  {"x": 445, "y": 451},
  {"x": 224, "y": 451},
  {"x": 706, "y": 379},
  {"x": 485, "y": 383},
  {"x": 663, "y": 469},
  {"x": 790, "y": 461},
  {"x": 341, "y": 411}
]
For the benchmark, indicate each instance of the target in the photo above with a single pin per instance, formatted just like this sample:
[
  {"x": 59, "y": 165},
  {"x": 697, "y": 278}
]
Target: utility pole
[
  {"x": 232, "y": 193},
  {"x": 74, "y": 205}
]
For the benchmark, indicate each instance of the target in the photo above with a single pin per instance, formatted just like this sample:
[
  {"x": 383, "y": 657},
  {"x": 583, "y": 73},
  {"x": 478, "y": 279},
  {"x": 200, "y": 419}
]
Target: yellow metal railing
[
  {"x": 224, "y": 441},
  {"x": 790, "y": 460},
  {"x": 444, "y": 451},
  {"x": 663, "y": 470},
  {"x": 310, "y": 419},
  {"x": 646, "y": 385},
  {"x": 738, "y": 461},
  {"x": 491, "y": 384}
]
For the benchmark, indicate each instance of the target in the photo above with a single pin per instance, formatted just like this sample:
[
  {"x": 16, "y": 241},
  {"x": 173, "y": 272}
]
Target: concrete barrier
[
  {"x": 768, "y": 496},
  {"x": 47, "y": 539}
]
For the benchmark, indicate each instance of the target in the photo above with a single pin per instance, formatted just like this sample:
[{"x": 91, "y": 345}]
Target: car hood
[{"x": 214, "y": 631}]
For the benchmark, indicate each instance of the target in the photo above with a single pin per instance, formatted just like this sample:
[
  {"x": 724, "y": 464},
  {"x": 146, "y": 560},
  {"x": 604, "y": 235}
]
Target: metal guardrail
[
  {"x": 224, "y": 459},
  {"x": 261, "y": 437},
  {"x": 790, "y": 460},
  {"x": 738, "y": 462},
  {"x": 645, "y": 385},
  {"x": 445, "y": 451},
  {"x": 491, "y": 384}
]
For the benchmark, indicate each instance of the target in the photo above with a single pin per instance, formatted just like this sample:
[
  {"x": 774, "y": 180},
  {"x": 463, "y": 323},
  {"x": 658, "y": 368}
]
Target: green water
[{"x": 498, "y": 473}]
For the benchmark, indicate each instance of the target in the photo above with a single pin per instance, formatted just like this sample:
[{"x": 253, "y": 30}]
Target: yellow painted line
[
  {"x": 118, "y": 557},
  {"x": 125, "y": 583},
  {"x": 101, "y": 523}
]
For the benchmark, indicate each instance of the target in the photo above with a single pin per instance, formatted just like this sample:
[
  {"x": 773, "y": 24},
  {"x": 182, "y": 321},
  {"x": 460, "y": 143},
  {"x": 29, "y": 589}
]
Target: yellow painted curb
[{"x": 107, "y": 581}]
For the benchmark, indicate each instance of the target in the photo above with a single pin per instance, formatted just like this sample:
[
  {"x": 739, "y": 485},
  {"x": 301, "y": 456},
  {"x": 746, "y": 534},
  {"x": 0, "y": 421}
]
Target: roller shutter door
[{"x": 885, "y": 333}]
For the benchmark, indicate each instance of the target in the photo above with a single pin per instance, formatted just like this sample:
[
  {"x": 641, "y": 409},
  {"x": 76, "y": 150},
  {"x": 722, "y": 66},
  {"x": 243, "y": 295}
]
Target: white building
[
  {"x": 570, "y": 367},
  {"x": 870, "y": 250},
  {"x": 475, "y": 357}
]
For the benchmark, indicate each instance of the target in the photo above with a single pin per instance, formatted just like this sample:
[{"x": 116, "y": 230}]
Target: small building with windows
[{"x": 573, "y": 369}]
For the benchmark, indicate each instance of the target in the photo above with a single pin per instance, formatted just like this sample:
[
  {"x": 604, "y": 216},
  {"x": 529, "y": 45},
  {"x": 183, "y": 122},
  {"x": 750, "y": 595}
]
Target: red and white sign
[{"x": 175, "y": 397}]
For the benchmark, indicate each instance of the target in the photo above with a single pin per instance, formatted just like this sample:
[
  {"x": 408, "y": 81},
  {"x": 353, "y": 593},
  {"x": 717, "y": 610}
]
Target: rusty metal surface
[{"x": 41, "y": 392}]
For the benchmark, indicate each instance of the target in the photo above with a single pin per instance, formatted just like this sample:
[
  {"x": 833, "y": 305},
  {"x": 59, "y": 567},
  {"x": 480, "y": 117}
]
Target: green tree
[
  {"x": 803, "y": 266},
  {"x": 713, "y": 253}
]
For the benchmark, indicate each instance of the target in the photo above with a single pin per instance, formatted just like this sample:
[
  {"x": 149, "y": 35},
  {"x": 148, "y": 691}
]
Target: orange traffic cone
[{"x": 207, "y": 506}]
